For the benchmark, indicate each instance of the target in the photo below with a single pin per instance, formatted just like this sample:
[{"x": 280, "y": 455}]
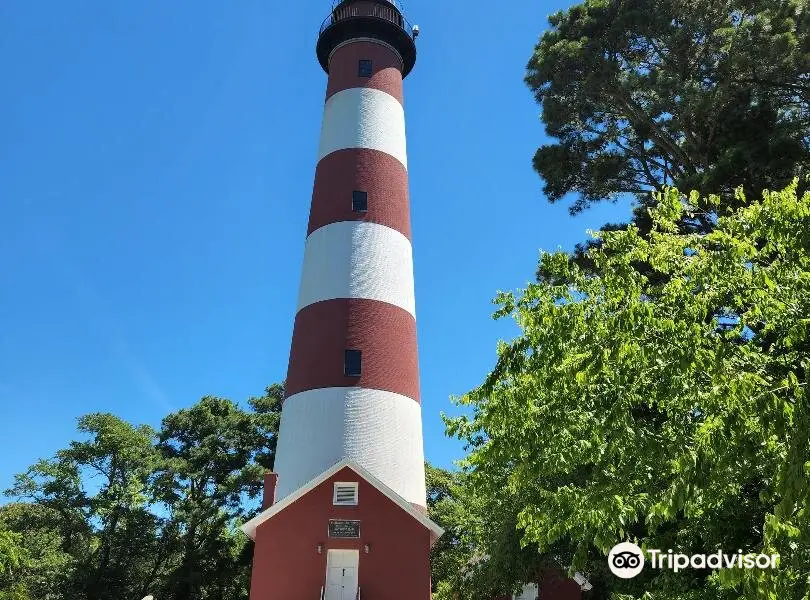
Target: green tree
[
  {"x": 125, "y": 512},
  {"x": 50, "y": 572},
  {"x": 448, "y": 554},
  {"x": 14, "y": 560},
  {"x": 706, "y": 95},
  {"x": 671, "y": 410},
  {"x": 214, "y": 455},
  {"x": 267, "y": 417},
  {"x": 98, "y": 487},
  {"x": 482, "y": 554},
  {"x": 118, "y": 458}
]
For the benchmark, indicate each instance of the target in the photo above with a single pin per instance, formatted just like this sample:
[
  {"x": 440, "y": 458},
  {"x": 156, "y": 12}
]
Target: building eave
[{"x": 250, "y": 527}]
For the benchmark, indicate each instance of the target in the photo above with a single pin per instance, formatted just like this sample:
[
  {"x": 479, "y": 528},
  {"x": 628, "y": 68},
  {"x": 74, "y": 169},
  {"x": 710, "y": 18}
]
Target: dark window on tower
[
  {"x": 352, "y": 363},
  {"x": 364, "y": 70},
  {"x": 359, "y": 201}
]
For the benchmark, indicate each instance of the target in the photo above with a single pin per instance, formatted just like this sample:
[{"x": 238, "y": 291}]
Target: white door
[{"x": 341, "y": 574}]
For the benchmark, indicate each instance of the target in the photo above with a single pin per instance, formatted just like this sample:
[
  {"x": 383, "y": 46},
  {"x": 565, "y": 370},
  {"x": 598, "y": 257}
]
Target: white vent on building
[{"x": 345, "y": 494}]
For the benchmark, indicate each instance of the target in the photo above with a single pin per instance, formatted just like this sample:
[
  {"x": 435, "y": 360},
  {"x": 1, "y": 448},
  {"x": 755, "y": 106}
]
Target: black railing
[
  {"x": 398, "y": 3},
  {"x": 375, "y": 10}
]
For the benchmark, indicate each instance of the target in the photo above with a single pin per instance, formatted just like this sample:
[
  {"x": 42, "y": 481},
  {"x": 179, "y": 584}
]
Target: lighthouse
[{"x": 344, "y": 514}]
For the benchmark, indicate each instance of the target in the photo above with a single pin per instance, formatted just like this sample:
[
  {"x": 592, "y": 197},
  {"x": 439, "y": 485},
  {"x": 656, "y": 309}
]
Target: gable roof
[{"x": 251, "y": 526}]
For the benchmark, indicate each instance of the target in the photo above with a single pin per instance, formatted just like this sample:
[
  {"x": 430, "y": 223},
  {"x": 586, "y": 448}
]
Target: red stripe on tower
[
  {"x": 324, "y": 330},
  {"x": 380, "y": 179},
  {"x": 386, "y": 64}
]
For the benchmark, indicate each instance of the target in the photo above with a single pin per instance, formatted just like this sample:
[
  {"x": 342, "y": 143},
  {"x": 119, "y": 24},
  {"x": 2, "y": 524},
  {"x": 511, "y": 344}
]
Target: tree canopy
[
  {"x": 127, "y": 510},
  {"x": 706, "y": 95},
  {"x": 13, "y": 560},
  {"x": 670, "y": 410}
]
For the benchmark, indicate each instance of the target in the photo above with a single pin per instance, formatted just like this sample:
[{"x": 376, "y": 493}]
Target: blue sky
[{"x": 156, "y": 167}]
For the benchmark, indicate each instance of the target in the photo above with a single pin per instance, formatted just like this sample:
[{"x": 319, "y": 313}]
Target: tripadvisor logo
[{"x": 626, "y": 560}]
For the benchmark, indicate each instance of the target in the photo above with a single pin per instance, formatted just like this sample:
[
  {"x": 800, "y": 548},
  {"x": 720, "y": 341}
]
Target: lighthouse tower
[{"x": 345, "y": 511}]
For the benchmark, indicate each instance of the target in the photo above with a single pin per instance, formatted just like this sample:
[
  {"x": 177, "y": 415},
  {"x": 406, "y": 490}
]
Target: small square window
[
  {"x": 364, "y": 68},
  {"x": 345, "y": 494},
  {"x": 353, "y": 363},
  {"x": 359, "y": 201}
]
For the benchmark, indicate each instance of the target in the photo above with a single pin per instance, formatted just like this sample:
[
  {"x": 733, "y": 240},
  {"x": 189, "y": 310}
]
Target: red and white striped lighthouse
[
  {"x": 346, "y": 513},
  {"x": 353, "y": 380}
]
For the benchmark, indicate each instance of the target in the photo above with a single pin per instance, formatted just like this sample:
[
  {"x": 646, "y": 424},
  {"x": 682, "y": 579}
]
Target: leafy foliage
[
  {"x": 13, "y": 560},
  {"x": 128, "y": 511},
  {"x": 482, "y": 555},
  {"x": 449, "y": 554},
  {"x": 210, "y": 458},
  {"x": 50, "y": 569},
  {"x": 670, "y": 409},
  {"x": 103, "y": 528},
  {"x": 699, "y": 94}
]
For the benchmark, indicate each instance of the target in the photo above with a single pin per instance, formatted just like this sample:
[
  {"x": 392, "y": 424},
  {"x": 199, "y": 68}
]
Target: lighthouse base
[{"x": 343, "y": 536}]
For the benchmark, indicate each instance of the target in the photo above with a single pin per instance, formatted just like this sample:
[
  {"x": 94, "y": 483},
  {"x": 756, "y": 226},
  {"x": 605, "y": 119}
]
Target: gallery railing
[{"x": 376, "y": 10}]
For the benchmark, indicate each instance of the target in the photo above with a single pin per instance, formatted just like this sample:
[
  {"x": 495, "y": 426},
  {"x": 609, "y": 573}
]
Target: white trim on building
[{"x": 251, "y": 526}]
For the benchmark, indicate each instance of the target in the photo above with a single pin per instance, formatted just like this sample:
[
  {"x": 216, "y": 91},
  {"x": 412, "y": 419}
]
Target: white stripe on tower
[
  {"x": 353, "y": 259},
  {"x": 382, "y": 432},
  {"x": 364, "y": 118}
]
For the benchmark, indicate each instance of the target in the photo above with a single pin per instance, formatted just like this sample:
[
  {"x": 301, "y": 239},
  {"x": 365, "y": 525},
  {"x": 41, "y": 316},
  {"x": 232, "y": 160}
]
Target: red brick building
[{"x": 345, "y": 532}]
